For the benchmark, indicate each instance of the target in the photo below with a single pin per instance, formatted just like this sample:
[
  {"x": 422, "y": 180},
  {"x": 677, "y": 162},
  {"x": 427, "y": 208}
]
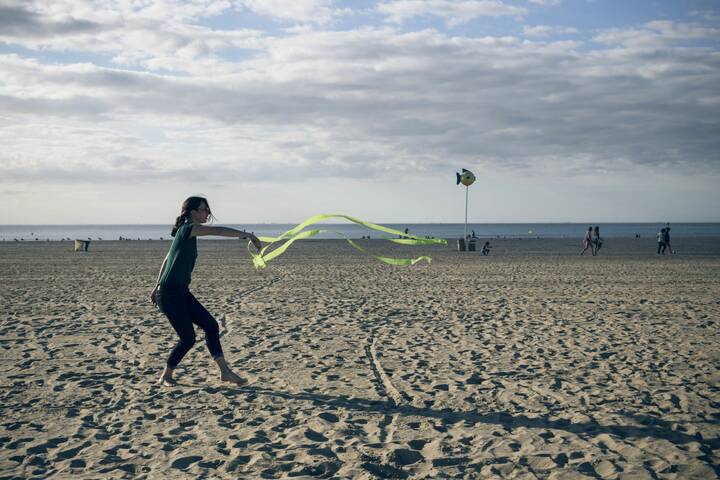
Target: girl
[{"x": 173, "y": 298}]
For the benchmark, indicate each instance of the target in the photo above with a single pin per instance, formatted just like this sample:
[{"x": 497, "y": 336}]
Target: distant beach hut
[{"x": 82, "y": 245}]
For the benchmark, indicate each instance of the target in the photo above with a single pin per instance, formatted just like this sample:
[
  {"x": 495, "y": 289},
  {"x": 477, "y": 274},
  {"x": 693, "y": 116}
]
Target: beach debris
[{"x": 82, "y": 245}]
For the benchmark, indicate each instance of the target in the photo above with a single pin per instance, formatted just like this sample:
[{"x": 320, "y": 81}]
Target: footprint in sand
[
  {"x": 383, "y": 471},
  {"x": 417, "y": 444},
  {"x": 404, "y": 456},
  {"x": 43, "y": 447},
  {"x": 17, "y": 443},
  {"x": 184, "y": 462},
  {"x": 315, "y": 436},
  {"x": 450, "y": 461},
  {"x": 71, "y": 452},
  {"x": 321, "y": 470},
  {"x": 329, "y": 417},
  {"x": 238, "y": 461}
]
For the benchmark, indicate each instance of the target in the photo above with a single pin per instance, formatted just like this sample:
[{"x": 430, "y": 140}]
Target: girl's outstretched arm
[{"x": 202, "y": 230}]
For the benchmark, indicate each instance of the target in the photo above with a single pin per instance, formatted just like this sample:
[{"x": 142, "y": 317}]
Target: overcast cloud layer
[{"x": 242, "y": 98}]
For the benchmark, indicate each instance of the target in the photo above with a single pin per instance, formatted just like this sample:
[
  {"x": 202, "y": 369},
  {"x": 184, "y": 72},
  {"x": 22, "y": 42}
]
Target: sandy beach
[{"x": 533, "y": 362}]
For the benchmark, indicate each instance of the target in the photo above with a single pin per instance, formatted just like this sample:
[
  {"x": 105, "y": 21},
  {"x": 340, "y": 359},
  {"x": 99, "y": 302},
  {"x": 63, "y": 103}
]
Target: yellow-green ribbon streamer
[{"x": 298, "y": 233}]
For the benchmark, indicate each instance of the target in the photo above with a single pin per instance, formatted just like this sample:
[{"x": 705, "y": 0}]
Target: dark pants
[{"x": 183, "y": 309}]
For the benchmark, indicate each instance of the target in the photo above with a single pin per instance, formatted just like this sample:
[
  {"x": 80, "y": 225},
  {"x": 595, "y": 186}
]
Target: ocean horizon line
[
  {"x": 658, "y": 222},
  {"x": 355, "y": 231}
]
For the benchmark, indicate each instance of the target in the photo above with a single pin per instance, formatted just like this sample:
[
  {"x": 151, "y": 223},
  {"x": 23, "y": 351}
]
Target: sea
[{"x": 354, "y": 231}]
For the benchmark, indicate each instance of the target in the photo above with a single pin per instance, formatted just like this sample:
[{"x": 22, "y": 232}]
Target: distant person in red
[
  {"x": 587, "y": 241},
  {"x": 172, "y": 294}
]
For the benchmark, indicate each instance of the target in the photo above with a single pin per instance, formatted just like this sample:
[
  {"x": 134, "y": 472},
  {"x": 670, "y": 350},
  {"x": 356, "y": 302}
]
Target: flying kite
[{"x": 268, "y": 252}]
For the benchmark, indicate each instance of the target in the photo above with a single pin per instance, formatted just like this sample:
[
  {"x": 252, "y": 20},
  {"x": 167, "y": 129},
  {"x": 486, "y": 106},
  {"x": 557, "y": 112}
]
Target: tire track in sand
[{"x": 388, "y": 425}]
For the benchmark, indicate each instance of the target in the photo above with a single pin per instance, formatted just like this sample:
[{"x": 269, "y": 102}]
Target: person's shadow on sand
[{"x": 651, "y": 426}]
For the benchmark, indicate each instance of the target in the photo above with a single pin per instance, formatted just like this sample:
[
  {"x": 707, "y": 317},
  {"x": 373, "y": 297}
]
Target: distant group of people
[
  {"x": 471, "y": 237},
  {"x": 663, "y": 239},
  {"x": 592, "y": 240}
]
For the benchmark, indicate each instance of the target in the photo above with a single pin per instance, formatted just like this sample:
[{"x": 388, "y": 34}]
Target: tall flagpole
[
  {"x": 467, "y": 189},
  {"x": 467, "y": 178}
]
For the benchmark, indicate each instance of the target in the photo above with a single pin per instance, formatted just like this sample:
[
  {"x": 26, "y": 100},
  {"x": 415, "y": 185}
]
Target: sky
[{"x": 115, "y": 111}]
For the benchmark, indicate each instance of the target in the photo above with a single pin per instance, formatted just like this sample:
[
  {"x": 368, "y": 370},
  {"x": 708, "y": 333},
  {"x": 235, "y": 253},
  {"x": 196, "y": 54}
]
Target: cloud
[
  {"x": 546, "y": 2},
  {"x": 360, "y": 103},
  {"x": 160, "y": 36},
  {"x": 545, "y": 30},
  {"x": 657, "y": 34},
  {"x": 709, "y": 15},
  {"x": 309, "y": 11},
  {"x": 167, "y": 94},
  {"x": 454, "y": 12},
  {"x": 16, "y": 21},
  {"x": 365, "y": 102}
]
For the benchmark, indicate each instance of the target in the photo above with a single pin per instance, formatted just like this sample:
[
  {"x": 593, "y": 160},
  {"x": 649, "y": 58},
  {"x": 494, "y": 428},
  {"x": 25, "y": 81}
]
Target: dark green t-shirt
[{"x": 181, "y": 258}]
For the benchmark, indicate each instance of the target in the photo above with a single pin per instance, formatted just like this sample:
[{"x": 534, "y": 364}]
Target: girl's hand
[
  {"x": 256, "y": 241},
  {"x": 153, "y": 295}
]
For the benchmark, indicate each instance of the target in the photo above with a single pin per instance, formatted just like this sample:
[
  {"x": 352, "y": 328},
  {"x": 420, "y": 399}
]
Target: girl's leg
[
  {"x": 174, "y": 304},
  {"x": 202, "y": 318}
]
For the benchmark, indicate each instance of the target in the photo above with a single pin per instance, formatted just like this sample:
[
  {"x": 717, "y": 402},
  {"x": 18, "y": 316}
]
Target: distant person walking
[
  {"x": 597, "y": 240},
  {"x": 661, "y": 242},
  {"x": 666, "y": 240},
  {"x": 587, "y": 240},
  {"x": 172, "y": 294}
]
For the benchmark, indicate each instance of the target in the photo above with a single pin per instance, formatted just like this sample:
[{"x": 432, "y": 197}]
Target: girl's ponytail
[
  {"x": 179, "y": 221},
  {"x": 191, "y": 203}
]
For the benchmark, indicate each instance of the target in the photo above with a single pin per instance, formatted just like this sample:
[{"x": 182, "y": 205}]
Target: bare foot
[
  {"x": 166, "y": 381},
  {"x": 232, "y": 377}
]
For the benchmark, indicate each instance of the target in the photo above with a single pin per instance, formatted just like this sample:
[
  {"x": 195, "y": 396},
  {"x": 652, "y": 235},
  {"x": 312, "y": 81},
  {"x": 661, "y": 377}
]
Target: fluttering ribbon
[{"x": 267, "y": 253}]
